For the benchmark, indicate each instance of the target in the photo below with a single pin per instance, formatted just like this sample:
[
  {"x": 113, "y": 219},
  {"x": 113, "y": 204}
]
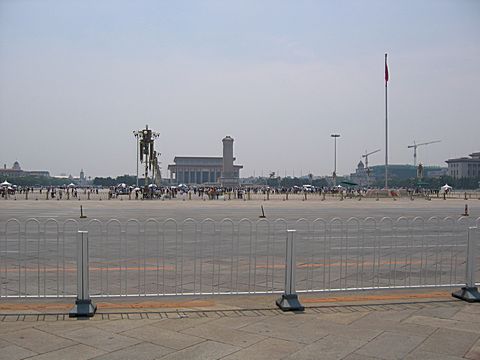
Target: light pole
[
  {"x": 137, "y": 134},
  {"x": 335, "y": 136}
]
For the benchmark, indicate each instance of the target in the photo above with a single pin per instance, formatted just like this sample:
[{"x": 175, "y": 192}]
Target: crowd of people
[
  {"x": 216, "y": 192},
  {"x": 51, "y": 192},
  {"x": 206, "y": 192}
]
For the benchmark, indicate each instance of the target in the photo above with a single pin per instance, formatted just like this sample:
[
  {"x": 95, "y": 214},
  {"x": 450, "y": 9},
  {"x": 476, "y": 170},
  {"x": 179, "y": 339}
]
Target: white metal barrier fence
[{"x": 155, "y": 258}]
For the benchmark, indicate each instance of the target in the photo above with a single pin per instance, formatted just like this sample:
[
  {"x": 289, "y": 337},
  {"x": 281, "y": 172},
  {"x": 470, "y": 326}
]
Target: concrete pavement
[
  {"x": 290, "y": 210},
  {"x": 387, "y": 325}
]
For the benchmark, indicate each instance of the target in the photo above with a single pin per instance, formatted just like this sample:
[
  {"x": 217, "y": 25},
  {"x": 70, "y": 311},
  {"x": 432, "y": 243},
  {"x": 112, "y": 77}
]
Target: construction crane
[
  {"x": 415, "y": 145},
  {"x": 366, "y": 163},
  {"x": 367, "y": 154}
]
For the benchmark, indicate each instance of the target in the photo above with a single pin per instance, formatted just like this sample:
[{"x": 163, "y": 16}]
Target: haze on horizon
[{"x": 77, "y": 77}]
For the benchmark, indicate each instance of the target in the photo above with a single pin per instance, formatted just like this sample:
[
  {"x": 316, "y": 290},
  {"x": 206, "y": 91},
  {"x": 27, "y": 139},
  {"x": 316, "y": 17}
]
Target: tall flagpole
[{"x": 386, "y": 125}]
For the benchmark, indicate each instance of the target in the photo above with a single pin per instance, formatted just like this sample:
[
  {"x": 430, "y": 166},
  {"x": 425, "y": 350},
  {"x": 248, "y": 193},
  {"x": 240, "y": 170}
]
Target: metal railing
[{"x": 159, "y": 258}]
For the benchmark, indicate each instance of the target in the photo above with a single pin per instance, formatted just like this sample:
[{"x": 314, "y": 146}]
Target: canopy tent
[
  {"x": 446, "y": 187},
  {"x": 5, "y": 183}
]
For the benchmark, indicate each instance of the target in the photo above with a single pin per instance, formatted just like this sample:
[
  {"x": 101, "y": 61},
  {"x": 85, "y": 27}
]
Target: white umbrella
[
  {"x": 122, "y": 185},
  {"x": 446, "y": 187},
  {"x": 71, "y": 185},
  {"x": 5, "y": 183},
  {"x": 136, "y": 189}
]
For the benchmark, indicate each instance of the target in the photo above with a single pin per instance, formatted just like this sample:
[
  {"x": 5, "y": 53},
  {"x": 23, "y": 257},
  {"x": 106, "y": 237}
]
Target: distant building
[
  {"x": 395, "y": 171},
  {"x": 16, "y": 166},
  {"x": 82, "y": 180},
  {"x": 464, "y": 167},
  {"x": 195, "y": 170},
  {"x": 360, "y": 176},
  {"x": 16, "y": 171}
]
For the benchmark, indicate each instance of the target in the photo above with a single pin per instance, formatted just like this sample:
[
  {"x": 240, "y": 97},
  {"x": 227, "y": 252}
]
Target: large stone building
[
  {"x": 465, "y": 167},
  {"x": 196, "y": 170},
  {"x": 16, "y": 171}
]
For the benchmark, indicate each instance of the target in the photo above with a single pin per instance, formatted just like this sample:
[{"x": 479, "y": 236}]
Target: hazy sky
[{"x": 77, "y": 77}]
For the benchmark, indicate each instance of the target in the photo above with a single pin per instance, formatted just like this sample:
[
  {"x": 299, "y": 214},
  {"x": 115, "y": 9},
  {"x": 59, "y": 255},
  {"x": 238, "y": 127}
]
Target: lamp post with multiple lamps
[
  {"x": 335, "y": 136},
  {"x": 145, "y": 141}
]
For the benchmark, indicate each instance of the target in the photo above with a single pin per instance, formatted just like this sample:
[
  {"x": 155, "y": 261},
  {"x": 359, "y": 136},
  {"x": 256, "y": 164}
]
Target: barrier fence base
[
  {"x": 469, "y": 294},
  {"x": 83, "y": 308},
  {"x": 289, "y": 303}
]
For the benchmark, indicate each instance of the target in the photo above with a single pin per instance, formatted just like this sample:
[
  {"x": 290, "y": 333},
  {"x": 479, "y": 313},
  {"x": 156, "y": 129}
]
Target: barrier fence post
[
  {"x": 83, "y": 304},
  {"x": 289, "y": 300},
  {"x": 469, "y": 292}
]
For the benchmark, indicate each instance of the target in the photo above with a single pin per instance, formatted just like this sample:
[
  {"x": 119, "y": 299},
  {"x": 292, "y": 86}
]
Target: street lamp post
[
  {"x": 335, "y": 136},
  {"x": 137, "y": 134}
]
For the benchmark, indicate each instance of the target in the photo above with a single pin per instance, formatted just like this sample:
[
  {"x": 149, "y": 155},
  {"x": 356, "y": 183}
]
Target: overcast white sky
[{"x": 77, "y": 77}]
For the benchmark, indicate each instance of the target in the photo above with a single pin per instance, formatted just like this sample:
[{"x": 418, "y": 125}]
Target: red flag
[{"x": 386, "y": 69}]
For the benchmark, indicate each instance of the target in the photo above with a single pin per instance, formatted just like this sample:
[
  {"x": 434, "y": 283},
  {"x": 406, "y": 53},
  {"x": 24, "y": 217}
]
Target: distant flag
[{"x": 386, "y": 70}]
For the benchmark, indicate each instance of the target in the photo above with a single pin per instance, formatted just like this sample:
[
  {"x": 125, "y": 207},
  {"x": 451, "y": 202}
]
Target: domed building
[
  {"x": 360, "y": 175},
  {"x": 16, "y": 166},
  {"x": 16, "y": 171}
]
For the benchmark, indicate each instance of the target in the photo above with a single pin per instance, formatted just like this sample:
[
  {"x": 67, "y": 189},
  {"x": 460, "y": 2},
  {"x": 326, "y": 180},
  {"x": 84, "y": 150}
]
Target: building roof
[
  {"x": 474, "y": 157},
  {"x": 462, "y": 160},
  {"x": 197, "y": 158}
]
